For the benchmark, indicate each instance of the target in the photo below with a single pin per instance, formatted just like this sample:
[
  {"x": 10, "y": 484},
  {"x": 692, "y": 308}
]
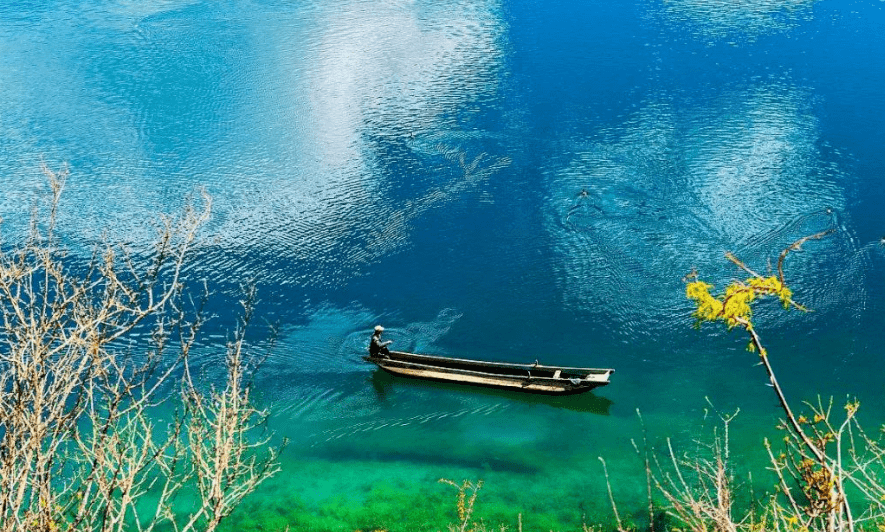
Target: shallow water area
[{"x": 501, "y": 180}]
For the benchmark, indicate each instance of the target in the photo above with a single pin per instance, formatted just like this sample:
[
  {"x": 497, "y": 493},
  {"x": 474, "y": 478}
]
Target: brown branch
[
  {"x": 78, "y": 446},
  {"x": 611, "y": 497},
  {"x": 822, "y": 459},
  {"x": 796, "y": 246},
  {"x": 740, "y": 264}
]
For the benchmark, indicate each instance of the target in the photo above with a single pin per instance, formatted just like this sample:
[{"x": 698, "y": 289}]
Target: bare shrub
[
  {"x": 84, "y": 444},
  {"x": 699, "y": 487}
]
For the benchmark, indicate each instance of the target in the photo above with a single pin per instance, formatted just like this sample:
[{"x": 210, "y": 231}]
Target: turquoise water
[{"x": 499, "y": 180}]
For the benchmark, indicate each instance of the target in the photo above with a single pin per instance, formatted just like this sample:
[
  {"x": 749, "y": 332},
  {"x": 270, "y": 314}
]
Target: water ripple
[
  {"x": 638, "y": 212},
  {"x": 284, "y": 117},
  {"x": 722, "y": 19}
]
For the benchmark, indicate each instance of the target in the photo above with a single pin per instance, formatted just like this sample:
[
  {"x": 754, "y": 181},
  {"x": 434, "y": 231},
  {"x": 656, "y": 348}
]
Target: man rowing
[{"x": 377, "y": 348}]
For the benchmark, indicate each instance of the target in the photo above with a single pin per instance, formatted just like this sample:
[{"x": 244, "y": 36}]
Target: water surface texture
[{"x": 504, "y": 180}]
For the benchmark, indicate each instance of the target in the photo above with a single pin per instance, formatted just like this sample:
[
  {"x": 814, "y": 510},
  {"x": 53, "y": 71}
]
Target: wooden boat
[{"x": 537, "y": 378}]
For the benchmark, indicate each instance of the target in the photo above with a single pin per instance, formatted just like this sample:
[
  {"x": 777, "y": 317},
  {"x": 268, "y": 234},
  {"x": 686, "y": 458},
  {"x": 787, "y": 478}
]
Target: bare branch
[{"x": 80, "y": 429}]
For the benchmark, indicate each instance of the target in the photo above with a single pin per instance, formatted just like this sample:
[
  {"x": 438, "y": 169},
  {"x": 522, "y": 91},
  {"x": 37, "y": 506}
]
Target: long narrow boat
[{"x": 537, "y": 378}]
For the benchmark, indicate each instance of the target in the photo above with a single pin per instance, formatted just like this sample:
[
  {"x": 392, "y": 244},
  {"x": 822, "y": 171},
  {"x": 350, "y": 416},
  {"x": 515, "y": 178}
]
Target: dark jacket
[{"x": 377, "y": 347}]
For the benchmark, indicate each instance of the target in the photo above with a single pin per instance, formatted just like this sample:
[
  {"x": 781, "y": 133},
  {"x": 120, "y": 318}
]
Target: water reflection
[
  {"x": 670, "y": 190},
  {"x": 301, "y": 123},
  {"x": 750, "y": 19},
  {"x": 343, "y": 105},
  {"x": 391, "y": 419},
  {"x": 393, "y": 232},
  {"x": 757, "y": 163}
]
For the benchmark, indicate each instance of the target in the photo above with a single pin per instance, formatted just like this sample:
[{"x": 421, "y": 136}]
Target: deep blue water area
[{"x": 503, "y": 180}]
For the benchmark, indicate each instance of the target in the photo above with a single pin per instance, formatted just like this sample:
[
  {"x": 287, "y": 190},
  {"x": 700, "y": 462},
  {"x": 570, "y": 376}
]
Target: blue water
[{"x": 504, "y": 180}]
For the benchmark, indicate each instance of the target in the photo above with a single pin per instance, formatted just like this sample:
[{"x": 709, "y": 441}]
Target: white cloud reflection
[
  {"x": 671, "y": 190},
  {"x": 757, "y": 162},
  {"x": 290, "y": 117},
  {"x": 751, "y": 19},
  {"x": 349, "y": 84}
]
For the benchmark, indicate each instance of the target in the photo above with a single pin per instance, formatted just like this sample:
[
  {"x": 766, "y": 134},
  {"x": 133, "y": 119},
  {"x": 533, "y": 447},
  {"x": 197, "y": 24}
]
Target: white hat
[{"x": 378, "y": 328}]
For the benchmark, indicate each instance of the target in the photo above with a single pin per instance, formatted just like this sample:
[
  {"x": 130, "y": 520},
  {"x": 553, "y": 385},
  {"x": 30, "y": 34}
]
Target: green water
[
  {"x": 538, "y": 457},
  {"x": 552, "y": 488}
]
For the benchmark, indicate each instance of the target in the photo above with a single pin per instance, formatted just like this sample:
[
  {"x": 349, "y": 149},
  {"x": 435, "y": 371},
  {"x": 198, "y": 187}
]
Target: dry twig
[{"x": 81, "y": 441}]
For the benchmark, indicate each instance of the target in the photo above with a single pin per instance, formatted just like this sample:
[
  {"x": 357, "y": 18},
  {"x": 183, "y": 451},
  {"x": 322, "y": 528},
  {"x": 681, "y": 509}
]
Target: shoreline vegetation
[
  {"x": 95, "y": 438},
  {"x": 86, "y": 440}
]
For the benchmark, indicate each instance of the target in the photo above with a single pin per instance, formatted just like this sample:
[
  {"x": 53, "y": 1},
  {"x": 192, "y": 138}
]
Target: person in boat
[{"x": 377, "y": 348}]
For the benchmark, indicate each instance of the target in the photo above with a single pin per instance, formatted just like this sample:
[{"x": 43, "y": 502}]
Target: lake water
[{"x": 503, "y": 180}]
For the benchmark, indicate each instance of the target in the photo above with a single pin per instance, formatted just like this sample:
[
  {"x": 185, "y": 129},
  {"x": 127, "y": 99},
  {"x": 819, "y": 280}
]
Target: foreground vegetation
[
  {"x": 93, "y": 358},
  {"x": 829, "y": 470}
]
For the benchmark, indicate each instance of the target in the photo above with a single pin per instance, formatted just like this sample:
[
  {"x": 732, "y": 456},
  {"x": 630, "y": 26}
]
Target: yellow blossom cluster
[{"x": 733, "y": 306}]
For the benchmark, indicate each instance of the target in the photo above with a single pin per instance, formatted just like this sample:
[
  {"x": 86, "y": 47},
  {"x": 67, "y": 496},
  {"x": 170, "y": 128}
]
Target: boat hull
[{"x": 532, "y": 378}]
